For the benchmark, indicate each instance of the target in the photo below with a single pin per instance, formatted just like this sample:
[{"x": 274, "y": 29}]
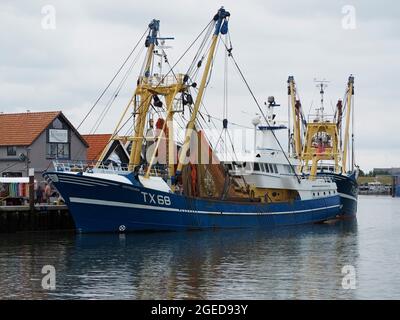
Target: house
[
  {"x": 115, "y": 151},
  {"x": 34, "y": 140}
]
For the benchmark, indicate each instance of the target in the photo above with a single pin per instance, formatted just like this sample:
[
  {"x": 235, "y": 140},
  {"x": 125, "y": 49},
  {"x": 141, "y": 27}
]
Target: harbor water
[{"x": 303, "y": 262}]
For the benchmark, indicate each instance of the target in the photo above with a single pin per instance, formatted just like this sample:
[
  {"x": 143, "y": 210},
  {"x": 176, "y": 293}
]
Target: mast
[
  {"x": 350, "y": 93},
  {"x": 221, "y": 27},
  {"x": 148, "y": 92},
  {"x": 170, "y": 143},
  {"x": 144, "y": 95}
]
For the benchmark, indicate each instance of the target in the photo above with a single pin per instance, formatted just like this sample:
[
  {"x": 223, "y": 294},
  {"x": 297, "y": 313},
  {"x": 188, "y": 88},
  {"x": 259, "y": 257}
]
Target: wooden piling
[{"x": 32, "y": 189}]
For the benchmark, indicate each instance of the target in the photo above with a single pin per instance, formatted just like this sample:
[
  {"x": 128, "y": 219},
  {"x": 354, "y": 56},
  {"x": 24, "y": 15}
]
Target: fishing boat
[
  {"x": 183, "y": 186},
  {"x": 324, "y": 145}
]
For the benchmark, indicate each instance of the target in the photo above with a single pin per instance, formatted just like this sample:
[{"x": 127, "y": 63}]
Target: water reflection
[{"x": 296, "y": 263}]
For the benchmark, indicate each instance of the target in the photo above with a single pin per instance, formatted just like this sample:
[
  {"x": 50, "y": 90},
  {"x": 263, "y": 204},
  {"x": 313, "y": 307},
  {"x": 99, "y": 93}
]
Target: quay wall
[{"x": 42, "y": 218}]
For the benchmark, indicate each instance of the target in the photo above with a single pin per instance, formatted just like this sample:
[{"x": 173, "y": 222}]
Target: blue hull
[
  {"x": 347, "y": 188},
  {"x": 99, "y": 205}
]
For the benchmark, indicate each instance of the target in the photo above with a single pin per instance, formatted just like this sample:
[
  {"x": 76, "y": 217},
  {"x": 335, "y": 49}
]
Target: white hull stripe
[
  {"x": 343, "y": 195},
  {"x": 148, "y": 207},
  {"x": 77, "y": 183},
  {"x": 83, "y": 181},
  {"x": 87, "y": 179}
]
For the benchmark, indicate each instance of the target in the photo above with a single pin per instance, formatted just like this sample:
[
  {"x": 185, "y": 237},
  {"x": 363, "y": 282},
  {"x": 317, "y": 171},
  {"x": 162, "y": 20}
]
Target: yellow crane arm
[
  {"x": 350, "y": 93},
  {"x": 296, "y": 116}
]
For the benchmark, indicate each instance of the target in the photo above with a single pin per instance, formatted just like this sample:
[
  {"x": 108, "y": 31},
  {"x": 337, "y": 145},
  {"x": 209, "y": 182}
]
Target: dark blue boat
[
  {"x": 327, "y": 146},
  {"x": 347, "y": 188},
  {"x": 102, "y": 205},
  {"x": 194, "y": 191}
]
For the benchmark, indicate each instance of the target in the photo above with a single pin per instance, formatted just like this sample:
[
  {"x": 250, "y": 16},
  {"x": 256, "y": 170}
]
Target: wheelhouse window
[
  {"x": 256, "y": 166},
  {"x": 275, "y": 168},
  {"x": 11, "y": 151}
]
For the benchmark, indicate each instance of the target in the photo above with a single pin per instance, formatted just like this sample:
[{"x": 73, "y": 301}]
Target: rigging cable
[
  {"x": 262, "y": 112},
  {"x": 225, "y": 99},
  {"x": 112, "y": 80},
  {"x": 211, "y": 22},
  {"x": 115, "y": 94}
]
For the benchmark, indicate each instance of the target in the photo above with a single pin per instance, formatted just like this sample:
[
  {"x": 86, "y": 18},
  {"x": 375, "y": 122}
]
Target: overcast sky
[{"x": 66, "y": 68}]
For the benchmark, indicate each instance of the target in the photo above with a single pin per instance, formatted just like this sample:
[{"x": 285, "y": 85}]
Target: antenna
[
  {"x": 159, "y": 51},
  {"x": 321, "y": 84},
  {"x": 270, "y": 111}
]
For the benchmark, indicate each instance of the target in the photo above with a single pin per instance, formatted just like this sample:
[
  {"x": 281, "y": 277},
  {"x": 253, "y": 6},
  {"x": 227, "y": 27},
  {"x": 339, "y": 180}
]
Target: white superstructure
[{"x": 268, "y": 167}]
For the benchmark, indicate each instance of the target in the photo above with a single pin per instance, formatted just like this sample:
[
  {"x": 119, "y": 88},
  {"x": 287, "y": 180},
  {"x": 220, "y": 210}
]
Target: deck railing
[
  {"x": 159, "y": 80},
  {"x": 106, "y": 167},
  {"x": 329, "y": 118}
]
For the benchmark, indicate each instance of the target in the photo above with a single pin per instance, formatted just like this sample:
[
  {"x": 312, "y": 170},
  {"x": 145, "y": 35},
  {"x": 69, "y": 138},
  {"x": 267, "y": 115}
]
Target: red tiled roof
[
  {"x": 21, "y": 129},
  {"x": 97, "y": 143}
]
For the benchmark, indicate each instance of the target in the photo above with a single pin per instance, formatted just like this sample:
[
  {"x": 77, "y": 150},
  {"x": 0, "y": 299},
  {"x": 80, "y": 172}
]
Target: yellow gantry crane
[
  {"x": 322, "y": 139},
  {"x": 151, "y": 88},
  {"x": 148, "y": 90}
]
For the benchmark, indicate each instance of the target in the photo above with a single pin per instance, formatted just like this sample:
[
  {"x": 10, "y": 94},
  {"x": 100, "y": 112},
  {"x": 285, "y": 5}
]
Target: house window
[
  {"x": 58, "y": 151},
  {"x": 12, "y": 151}
]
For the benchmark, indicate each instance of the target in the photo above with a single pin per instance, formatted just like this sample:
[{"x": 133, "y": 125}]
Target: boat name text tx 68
[{"x": 156, "y": 199}]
